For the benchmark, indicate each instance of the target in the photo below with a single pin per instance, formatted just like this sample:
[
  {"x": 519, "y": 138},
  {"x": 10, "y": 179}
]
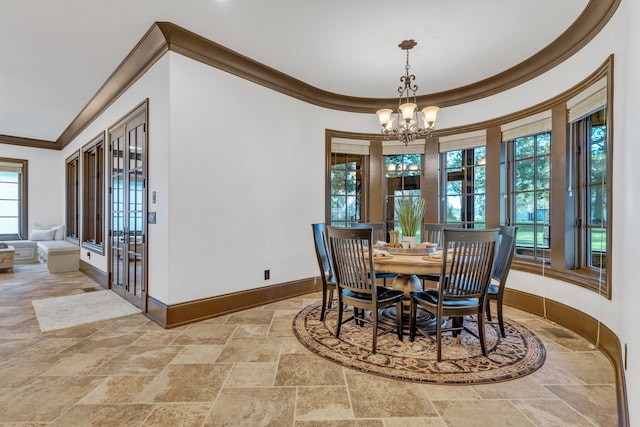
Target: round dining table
[{"x": 407, "y": 267}]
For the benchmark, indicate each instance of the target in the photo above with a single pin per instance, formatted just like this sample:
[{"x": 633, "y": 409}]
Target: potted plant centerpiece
[{"x": 410, "y": 212}]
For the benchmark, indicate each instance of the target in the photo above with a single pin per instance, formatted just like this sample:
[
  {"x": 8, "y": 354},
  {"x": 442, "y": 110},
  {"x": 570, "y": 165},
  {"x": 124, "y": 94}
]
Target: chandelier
[{"x": 407, "y": 128}]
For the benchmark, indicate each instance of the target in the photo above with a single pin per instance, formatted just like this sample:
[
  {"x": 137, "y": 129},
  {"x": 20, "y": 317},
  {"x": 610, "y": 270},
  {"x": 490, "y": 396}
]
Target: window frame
[
  {"x": 72, "y": 197},
  {"x": 580, "y": 143},
  {"x": 468, "y": 167},
  {"x": 539, "y": 254},
  {"x": 93, "y": 194},
  {"x": 23, "y": 199}
]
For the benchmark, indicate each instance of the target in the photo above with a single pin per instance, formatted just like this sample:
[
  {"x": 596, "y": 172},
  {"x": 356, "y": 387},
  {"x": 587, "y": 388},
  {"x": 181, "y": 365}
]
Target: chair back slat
[
  {"x": 467, "y": 265},
  {"x": 351, "y": 251}
]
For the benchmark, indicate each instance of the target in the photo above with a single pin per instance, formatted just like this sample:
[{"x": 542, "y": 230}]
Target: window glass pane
[
  {"x": 542, "y": 207},
  {"x": 543, "y": 172},
  {"x": 479, "y": 155},
  {"x": 597, "y": 205},
  {"x": 524, "y": 175},
  {"x": 524, "y": 208},
  {"x": 524, "y": 237},
  {"x": 8, "y": 189},
  {"x": 542, "y": 236},
  {"x": 544, "y": 143},
  {"x": 479, "y": 208},
  {"x": 454, "y": 213},
  {"x": 524, "y": 147},
  {"x": 9, "y": 204},
  {"x": 454, "y": 187},
  {"x": 479, "y": 174},
  {"x": 454, "y": 159},
  {"x": 338, "y": 182}
]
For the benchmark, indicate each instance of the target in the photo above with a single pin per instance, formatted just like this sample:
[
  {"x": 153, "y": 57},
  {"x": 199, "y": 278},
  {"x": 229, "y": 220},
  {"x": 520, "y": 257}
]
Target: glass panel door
[{"x": 128, "y": 210}]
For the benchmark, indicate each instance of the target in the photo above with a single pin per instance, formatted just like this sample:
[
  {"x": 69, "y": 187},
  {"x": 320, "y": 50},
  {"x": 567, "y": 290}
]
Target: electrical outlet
[{"x": 267, "y": 274}]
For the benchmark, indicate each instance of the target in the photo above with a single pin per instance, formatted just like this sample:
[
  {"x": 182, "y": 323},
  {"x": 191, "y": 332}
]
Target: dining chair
[
  {"x": 352, "y": 255},
  {"x": 467, "y": 263},
  {"x": 434, "y": 233},
  {"x": 502, "y": 266},
  {"x": 324, "y": 263},
  {"x": 379, "y": 232}
]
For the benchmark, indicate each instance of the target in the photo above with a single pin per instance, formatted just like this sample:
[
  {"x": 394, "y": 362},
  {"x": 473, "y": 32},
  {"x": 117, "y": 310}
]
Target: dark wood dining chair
[
  {"x": 502, "y": 266},
  {"x": 324, "y": 263},
  {"x": 379, "y": 233},
  {"x": 462, "y": 286},
  {"x": 352, "y": 256},
  {"x": 434, "y": 233}
]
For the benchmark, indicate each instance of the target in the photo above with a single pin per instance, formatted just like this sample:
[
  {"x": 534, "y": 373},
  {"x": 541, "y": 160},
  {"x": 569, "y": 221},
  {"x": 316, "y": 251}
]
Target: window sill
[
  {"x": 586, "y": 278},
  {"x": 99, "y": 249}
]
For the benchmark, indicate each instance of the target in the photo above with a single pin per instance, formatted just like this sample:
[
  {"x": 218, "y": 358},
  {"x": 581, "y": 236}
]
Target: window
[
  {"x": 93, "y": 195},
  {"x": 346, "y": 188},
  {"x": 72, "y": 197},
  {"x": 530, "y": 194},
  {"x": 464, "y": 187},
  {"x": 13, "y": 199},
  {"x": 402, "y": 172},
  {"x": 591, "y": 153}
]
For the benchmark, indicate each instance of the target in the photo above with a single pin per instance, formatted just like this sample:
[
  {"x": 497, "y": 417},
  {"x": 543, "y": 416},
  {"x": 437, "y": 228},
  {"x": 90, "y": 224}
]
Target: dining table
[{"x": 407, "y": 265}]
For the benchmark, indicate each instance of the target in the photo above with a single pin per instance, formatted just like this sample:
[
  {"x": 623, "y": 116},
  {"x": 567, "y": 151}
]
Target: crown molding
[
  {"x": 165, "y": 36},
  {"x": 29, "y": 142}
]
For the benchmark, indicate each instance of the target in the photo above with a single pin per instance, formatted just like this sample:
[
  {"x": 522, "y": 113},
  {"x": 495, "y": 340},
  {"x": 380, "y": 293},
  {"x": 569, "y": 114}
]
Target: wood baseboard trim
[
  {"x": 193, "y": 311},
  {"x": 97, "y": 275},
  {"x": 586, "y": 326}
]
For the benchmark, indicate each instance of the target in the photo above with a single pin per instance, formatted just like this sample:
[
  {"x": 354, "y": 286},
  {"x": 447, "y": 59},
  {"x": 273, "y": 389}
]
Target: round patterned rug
[{"x": 517, "y": 355}]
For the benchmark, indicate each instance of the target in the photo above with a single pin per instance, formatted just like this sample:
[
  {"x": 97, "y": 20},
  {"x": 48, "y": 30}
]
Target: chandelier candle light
[{"x": 407, "y": 128}]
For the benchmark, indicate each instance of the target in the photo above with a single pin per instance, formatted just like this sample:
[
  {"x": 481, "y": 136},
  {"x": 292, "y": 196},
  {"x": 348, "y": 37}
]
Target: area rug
[
  {"x": 517, "y": 355},
  {"x": 79, "y": 309}
]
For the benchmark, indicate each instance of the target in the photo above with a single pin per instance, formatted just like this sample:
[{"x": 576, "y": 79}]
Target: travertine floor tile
[
  {"x": 250, "y": 350},
  {"x": 595, "y": 402},
  {"x": 104, "y": 415},
  {"x": 307, "y": 370},
  {"x": 186, "y": 383},
  {"x": 178, "y": 414},
  {"x": 387, "y": 398},
  {"x": 273, "y": 407},
  {"x": 323, "y": 403},
  {"x": 252, "y": 375},
  {"x": 484, "y": 413},
  {"x": 549, "y": 413}
]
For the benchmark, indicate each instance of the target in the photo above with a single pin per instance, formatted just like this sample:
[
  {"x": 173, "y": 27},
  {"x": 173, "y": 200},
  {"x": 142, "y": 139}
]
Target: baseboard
[
  {"x": 586, "y": 326},
  {"x": 98, "y": 276},
  {"x": 193, "y": 311}
]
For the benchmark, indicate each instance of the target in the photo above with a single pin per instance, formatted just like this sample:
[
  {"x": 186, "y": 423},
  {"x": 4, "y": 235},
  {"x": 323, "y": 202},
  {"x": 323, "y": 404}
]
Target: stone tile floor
[{"x": 248, "y": 369}]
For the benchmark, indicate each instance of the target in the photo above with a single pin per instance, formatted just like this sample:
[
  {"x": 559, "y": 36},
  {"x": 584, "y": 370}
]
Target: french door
[{"x": 128, "y": 208}]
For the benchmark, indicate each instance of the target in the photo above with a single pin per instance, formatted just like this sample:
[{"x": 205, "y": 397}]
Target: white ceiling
[{"x": 55, "y": 54}]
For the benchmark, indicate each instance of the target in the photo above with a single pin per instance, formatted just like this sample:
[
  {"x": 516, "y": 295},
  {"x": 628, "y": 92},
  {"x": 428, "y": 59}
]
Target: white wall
[
  {"x": 154, "y": 85},
  {"x": 44, "y": 167},
  {"x": 245, "y": 185}
]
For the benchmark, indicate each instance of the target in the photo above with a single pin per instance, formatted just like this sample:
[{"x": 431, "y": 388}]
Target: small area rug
[
  {"x": 517, "y": 355},
  {"x": 79, "y": 309}
]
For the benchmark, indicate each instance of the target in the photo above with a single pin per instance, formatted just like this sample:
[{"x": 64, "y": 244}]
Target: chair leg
[
  {"x": 488, "y": 310},
  {"x": 412, "y": 320},
  {"x": 324, "y": 301},
  {"x": 339, "y": 315},
  {"x": 500, "y": 319},
  {"x": 399, "y": 319},
  {"x": 374, "y": 321},
  {"x": 439, "y": 337},
  {"x": 483, "y": 346}
]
